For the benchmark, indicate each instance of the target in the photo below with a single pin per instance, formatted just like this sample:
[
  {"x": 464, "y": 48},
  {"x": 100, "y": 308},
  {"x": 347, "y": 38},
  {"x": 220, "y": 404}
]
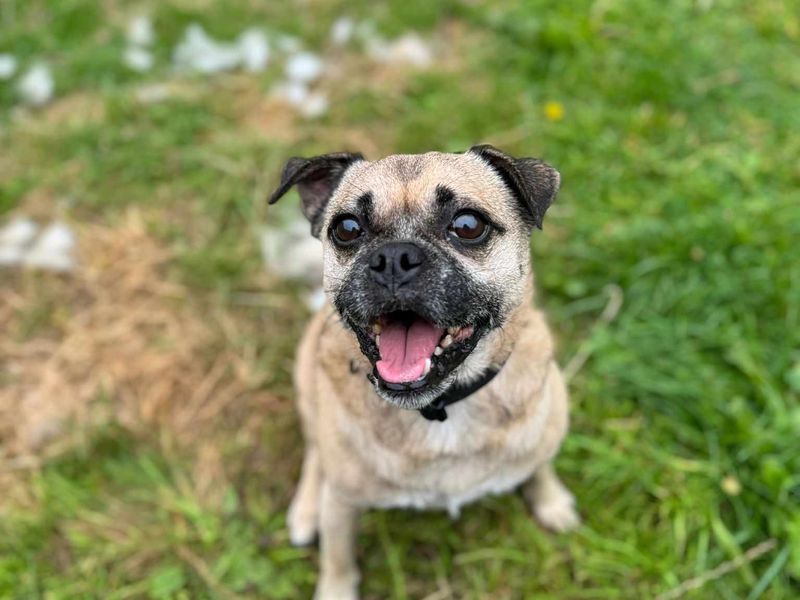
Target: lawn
[{"x": 674, "y": 126}]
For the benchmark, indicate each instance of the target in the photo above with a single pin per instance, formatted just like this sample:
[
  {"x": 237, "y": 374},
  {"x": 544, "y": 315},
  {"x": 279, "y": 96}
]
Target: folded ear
[
  {"x": 316, "y": 179},
  {"x": 533, "y": 182}
]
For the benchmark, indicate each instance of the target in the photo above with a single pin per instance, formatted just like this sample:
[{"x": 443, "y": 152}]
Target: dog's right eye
[
  {"x": 470, "y": 227},
  {"x": 347, "y": 229}
]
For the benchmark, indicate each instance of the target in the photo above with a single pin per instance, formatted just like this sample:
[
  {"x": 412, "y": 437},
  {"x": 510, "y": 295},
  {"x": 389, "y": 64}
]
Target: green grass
[{"x": 678, "y": 152}]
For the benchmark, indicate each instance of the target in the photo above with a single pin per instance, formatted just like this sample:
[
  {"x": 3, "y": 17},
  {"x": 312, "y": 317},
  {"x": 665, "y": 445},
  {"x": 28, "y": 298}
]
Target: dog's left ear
[
  {"x": 532, "y": 181},
  {"x": 316, "y": 179}
]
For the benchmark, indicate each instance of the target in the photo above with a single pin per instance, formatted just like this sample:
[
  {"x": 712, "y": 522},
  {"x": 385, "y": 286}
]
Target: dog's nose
[{"x": 395, "y": 264}]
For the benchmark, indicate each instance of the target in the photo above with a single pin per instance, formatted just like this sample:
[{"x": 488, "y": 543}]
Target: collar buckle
[{"x": 435, "y": 411}]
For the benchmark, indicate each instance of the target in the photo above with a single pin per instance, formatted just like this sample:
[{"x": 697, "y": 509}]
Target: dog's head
[{"x": 424, "y": 255}]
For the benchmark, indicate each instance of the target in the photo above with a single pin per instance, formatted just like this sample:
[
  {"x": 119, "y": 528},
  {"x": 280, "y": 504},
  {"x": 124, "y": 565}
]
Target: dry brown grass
[{"x": 119, "y": 342}]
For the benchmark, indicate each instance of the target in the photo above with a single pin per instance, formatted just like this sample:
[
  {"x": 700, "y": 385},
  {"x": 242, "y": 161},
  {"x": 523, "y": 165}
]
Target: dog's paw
[
  {"x": 557, "y": 513},
  {"x": 302, "y": 526},
  {"x": 343, "y": 588}
]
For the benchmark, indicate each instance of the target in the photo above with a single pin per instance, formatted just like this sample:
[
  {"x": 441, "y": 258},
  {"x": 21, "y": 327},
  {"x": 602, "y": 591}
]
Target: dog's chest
[
  {"x": 449, "y": 464},
  {"x": 455, "y": 483}
]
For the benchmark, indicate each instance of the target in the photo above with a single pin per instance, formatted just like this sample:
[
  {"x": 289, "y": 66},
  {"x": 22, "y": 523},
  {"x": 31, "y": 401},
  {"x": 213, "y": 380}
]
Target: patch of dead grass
[
  {"x": 128, "y": 347},
  {"x": 74, "y": 110}
]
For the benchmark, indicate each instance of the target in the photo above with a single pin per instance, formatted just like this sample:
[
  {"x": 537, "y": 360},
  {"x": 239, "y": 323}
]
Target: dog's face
[{"x": 424, "y": 255}]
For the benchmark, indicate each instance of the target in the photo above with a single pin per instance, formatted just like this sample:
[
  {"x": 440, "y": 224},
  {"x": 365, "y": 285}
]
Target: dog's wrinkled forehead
[
  {"x": 484, "y": 178},
  {"x": 413, "y": 185}
]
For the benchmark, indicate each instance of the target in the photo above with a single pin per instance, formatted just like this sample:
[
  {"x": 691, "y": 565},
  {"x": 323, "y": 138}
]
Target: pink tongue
[{"x": 404, "y": 350}]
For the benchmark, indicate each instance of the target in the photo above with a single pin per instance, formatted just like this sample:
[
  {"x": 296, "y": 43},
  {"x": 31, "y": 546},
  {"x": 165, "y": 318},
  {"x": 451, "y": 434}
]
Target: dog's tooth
[
  {"x": 448, "y": 339},
  {"x": 427, "y": 367},
  {"x": 438, "y": 351},
  {"x": 377, "y": 328},
  {"x": 453, "y": 330},
  {"x": 378, "y": 340}
]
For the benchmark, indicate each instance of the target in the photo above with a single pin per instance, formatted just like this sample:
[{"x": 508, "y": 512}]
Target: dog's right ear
[{"x": 316, "y": 179}]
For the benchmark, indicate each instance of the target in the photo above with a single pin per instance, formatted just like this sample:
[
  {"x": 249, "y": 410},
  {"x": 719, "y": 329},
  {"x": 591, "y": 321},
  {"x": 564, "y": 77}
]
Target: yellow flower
[
  {"x": 554, "y": 111},
  {"x": 731, "y": 486}
]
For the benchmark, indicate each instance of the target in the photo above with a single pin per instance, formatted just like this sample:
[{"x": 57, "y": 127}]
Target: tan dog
[{"x": 429, "y": 381}]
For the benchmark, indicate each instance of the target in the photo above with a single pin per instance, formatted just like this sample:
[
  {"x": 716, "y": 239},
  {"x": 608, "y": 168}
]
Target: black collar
[{"x": 435, "y": 411}]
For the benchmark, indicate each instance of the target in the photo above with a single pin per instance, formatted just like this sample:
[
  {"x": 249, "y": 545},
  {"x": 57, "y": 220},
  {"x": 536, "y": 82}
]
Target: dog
[{"x": 429, "y": 379}]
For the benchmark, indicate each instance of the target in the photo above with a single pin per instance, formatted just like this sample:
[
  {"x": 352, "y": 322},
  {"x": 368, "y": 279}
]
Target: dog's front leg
[
  {"x": 338, "y": 578},
  {"x": 550, "y": 501},
  {"x": 303, "y": 516}
]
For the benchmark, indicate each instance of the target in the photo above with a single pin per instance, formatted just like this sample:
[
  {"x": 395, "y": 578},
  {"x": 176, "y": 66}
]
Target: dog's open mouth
[{"x": 410, "y": 347}]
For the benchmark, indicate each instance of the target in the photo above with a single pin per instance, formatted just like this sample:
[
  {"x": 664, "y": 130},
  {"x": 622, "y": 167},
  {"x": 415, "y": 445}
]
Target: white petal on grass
[
  {"x": 138, "y": 59},
  {"x": 199, "y": 53},
  {"x": 19, "y": 232},
  {"x": 8, "y": 66},
  {"x": 291, "y": 92},
  {"x": 36, "y": 86},
  {"x": 342, "y": 31},
  {"x": 296, "y": 94},
  {"x": 412, "y": 49},
  {"x": 304, "y": 67},
  {"x": 292, "y": 253},
  {"x": 315, "y": 299},
  {"x": 14, "y": 239},
  {"x": 408, "y": 49},
  {"x": 315, "y": 105},
  {"x": 254, "y": 49},
  {"x": 140, "y": 31},
  {"x": 52, "y": 251}
]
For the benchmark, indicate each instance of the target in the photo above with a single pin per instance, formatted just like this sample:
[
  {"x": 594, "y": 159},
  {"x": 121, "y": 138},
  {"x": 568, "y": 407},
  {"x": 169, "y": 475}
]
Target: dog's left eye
[
  {"x": 469, "y": 226},
  {"x": 347, "y": 229}
]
